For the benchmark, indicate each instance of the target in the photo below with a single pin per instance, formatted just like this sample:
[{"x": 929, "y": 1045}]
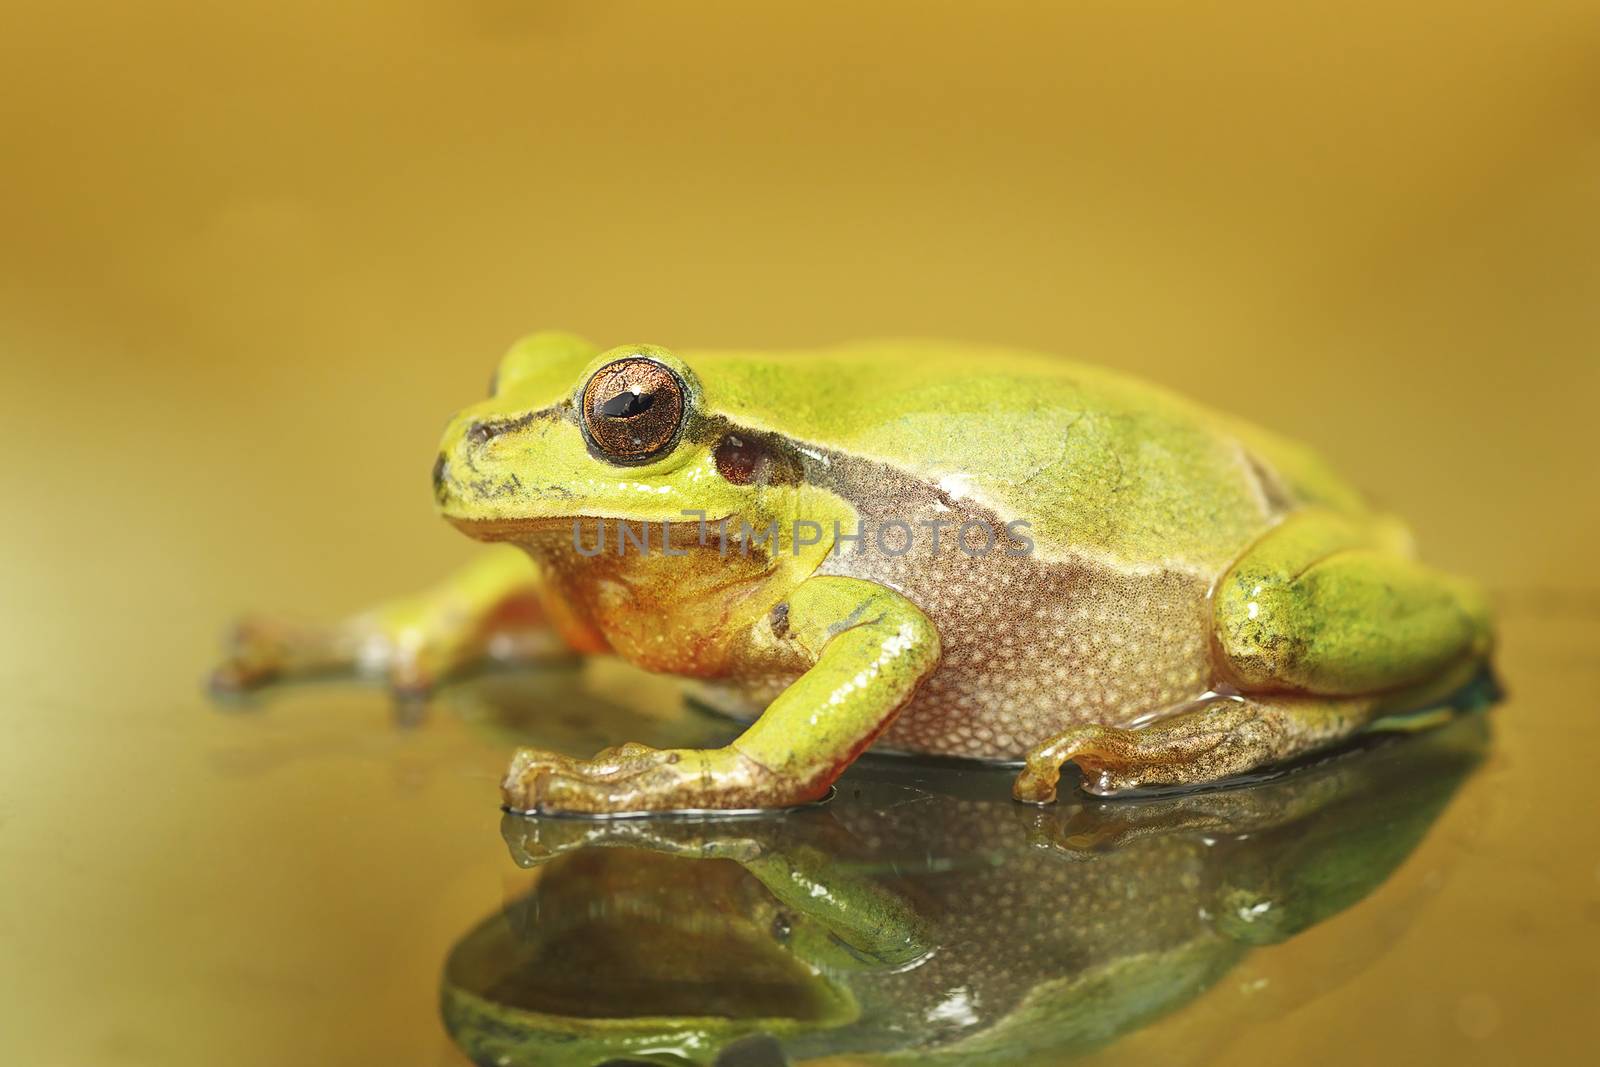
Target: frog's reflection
[{"x": 922, "y": 914}]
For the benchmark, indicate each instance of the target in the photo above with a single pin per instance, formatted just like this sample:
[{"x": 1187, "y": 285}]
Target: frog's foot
[
  {"x": 635, "y": 778},
  {"x": 260, "y": 650},
  {"x": 1102, "y": 753},
  {"x": 1217, "y": 740},
  {"x": 263, "y": 650}
]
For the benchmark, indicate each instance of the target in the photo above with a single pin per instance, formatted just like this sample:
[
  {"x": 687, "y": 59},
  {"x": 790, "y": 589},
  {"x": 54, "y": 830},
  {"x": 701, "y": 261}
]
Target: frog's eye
[{"x": 632, "y": 410}]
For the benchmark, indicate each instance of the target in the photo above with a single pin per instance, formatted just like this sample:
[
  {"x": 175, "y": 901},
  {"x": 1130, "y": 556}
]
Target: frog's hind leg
[
  {"x": 1324, "y": 605},
  {"x": 1323, "y": 626},
  {"x": 1215, "y": 739}
]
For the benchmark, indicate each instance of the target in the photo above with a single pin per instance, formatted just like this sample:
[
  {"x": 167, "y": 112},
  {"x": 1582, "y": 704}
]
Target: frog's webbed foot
[
  {"x": 1113, "y": 759},
  {"x": 636, "y": 778},
  {"x": 1217, "y": 740},
  {"x": 262, "y": 649}
]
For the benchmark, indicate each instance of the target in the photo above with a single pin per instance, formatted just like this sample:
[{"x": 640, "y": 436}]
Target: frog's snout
[
  {"x": 441, "y": 475},
  {"x": 480, "y": 432}
]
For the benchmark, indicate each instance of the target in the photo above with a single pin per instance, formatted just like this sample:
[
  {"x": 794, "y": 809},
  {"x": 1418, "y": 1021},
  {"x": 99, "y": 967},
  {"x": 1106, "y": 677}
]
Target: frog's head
[
  {"x": 576, "y": 448},
  {"x": 570, "y": 433}
]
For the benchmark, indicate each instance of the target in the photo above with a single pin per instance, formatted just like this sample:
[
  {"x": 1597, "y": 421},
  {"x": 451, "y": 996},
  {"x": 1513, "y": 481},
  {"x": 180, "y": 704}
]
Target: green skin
[
  {"x": 886, "y": 925},
  {"x": 1175, "y": 597}
]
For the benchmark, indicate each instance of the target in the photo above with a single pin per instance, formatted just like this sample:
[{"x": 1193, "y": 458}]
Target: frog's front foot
[
  {"x": 261, "y": 650},
  {"x": 636, "y": 779}
]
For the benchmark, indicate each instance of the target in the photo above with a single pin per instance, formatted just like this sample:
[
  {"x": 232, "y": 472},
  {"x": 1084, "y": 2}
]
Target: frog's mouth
[
  {"x": 483, "y": 504},
  {"x": 462, "y": 491},
  {"x": 504, "y": 529},
  {"x": 591, "y": 535}
]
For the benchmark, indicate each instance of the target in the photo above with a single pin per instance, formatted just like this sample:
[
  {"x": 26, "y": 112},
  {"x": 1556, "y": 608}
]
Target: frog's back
[
  {"x": 1099, "y": 464},
  {"x": 1136, "y": 500}
]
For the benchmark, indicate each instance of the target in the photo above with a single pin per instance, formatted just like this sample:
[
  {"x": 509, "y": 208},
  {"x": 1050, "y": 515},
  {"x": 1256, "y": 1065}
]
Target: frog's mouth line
[
  {"x": 507, "y": 529},
  {"x": 684, "y": 532}
]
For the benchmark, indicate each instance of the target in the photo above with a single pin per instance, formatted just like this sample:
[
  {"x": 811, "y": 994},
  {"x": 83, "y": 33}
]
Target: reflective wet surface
[
  {"x": 316, "y": 880},
  {"x": 302, "y": 877}
]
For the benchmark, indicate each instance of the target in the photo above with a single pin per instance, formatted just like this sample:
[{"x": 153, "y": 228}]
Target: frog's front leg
[
  {"x": 1321, "y": 626},
  {"x": 869, "y": 647},
  {"x": 493, "y": 608}
]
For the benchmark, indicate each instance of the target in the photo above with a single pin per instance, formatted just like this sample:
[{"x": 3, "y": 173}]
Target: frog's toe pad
[
  {"x": 1036, "y": 784},
  {"x": 523, "y": 783}
]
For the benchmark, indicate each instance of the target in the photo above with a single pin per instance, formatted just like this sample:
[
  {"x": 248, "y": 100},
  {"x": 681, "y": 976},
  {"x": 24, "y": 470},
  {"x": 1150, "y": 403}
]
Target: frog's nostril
[{"x": 481, "y": 433}]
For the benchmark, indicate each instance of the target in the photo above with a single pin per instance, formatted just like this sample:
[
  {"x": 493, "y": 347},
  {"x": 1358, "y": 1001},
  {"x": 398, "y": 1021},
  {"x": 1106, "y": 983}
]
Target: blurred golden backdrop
[{"x": 236, "y": 239}]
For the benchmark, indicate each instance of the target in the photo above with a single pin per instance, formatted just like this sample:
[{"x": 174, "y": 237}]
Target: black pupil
[{"x": 627, "y": 404}]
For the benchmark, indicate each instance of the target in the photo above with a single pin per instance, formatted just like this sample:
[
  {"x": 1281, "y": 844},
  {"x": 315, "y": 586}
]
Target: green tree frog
[{"x": 921, "y": 547}]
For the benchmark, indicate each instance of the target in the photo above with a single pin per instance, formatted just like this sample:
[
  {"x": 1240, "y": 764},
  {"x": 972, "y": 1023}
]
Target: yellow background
[{"x": 252, "y": 255}]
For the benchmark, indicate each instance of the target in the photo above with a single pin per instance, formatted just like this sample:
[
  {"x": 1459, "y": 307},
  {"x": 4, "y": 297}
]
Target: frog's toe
[
  {"x": 520, "y": 793},
  {"x": 233, "y": 677},
  {"x": 262, "y": 649},
  {"x": 620, "y": 759},
  {"x": 1095, "y": 749},
  {"x": 254, "y": 657},
  {"x": 549, "y": 790},
  {"x": 1036, "y": 784},
  {"x": 574, "y": 792},
  {"x": 411, "y": 684},
  {"x": 520, "y": 788},
  {"x": 631, "y": 777}
]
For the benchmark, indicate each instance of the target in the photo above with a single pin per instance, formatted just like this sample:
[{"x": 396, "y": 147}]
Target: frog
[
  {"x": 910, "y": 546},
  {"x": 922, "y": 917}
]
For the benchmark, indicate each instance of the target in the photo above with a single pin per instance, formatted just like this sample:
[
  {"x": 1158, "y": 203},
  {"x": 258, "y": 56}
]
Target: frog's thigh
[{"x": 1320, "y": 606}]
